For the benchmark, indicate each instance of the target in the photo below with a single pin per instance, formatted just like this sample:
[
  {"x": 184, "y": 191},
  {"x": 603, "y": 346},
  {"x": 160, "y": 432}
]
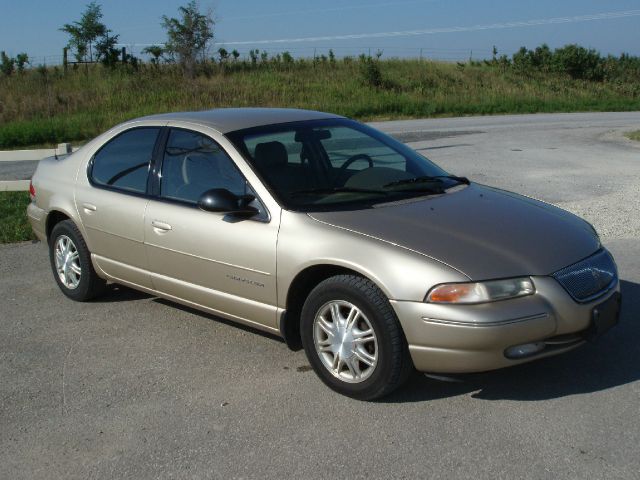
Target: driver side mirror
[{"x": 222, "y": 200}]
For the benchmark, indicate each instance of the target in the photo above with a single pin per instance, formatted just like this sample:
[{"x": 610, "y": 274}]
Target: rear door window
[{"x": 123, "y": 163}]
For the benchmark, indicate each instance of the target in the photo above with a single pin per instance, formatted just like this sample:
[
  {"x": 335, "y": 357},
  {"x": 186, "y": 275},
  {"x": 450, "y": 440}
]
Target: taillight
[{"x": 32, "y": 191}]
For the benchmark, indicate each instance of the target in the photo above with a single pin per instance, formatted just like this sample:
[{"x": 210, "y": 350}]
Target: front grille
[{"x": 589, "y": 278}]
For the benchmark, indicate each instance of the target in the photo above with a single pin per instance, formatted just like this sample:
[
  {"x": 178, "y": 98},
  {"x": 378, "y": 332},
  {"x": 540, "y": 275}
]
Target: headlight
[{"x": 481, "y": 292}]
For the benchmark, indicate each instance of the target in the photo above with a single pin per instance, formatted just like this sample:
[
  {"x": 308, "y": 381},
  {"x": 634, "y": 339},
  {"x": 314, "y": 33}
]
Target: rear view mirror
[{"x": 316, "y": 134}]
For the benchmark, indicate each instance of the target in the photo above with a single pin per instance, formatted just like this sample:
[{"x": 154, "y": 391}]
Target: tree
[
  {"x": 85, "y": 32},
  {"x": 189, "y": 36},
  {"x": 106, "y": 51},
  {"x": 522, "y": 59},
  {"x": 253, "y": 55},
  {"x": 21, "y": 60},
  {"x": 7, "y": 64},
  {"x": 223, "y": 54},
  {"x": 287, "y": 58},
  {"x": 156, "y": 51}
]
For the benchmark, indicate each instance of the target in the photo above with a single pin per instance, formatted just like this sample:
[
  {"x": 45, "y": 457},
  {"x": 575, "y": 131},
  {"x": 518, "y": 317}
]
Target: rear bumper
[
  {"x": 37, "y": 218},
  {"x": 473, "y": 338}
]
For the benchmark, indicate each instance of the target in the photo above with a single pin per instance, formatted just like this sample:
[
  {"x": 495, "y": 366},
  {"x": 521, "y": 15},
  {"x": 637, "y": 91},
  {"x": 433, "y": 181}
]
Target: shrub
[
  {"x": 370, "y": 72},
  {"x": 579, "y": 62},
  {"x": 287, "y": 58},
  {"x": 576, "y": 61}
]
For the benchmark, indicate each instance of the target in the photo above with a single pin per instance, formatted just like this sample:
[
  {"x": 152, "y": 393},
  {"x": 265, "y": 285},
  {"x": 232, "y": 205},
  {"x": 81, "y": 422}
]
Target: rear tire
[
  {"x": 353, "y": 339},
  {"x": 71, "y": 263}
]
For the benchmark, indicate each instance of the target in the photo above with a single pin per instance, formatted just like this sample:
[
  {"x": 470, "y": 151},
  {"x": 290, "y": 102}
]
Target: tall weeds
[{"x": 45, "y": 105}]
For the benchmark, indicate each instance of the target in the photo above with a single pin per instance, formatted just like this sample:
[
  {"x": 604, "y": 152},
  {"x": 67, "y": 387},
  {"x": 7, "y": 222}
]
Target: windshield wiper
[
  {"x": 320, "y": 191},
  {"x": 427, "y": 179}
]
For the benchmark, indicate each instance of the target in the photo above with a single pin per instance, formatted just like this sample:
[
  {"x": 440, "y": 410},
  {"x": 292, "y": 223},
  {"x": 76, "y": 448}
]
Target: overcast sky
[{"x": 445, "y": 29}]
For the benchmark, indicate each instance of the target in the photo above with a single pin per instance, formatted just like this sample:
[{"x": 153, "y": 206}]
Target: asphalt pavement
[{"x": 130, "y": 386}]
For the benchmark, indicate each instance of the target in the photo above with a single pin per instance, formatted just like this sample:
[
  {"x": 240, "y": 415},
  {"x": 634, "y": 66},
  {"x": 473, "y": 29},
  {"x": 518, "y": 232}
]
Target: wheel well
[
  {"x": 53, "y": 219},
  {"x": 299, "y": 290}
]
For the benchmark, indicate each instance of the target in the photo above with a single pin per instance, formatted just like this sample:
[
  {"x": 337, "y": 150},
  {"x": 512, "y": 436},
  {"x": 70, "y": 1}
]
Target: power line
[
  {"x": 334, "y": 47},
  {"x": 433, "y": 31}
]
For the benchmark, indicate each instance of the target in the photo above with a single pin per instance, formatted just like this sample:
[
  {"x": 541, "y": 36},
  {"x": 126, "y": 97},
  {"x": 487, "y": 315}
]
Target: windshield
[{"x": 337, "y": 164}]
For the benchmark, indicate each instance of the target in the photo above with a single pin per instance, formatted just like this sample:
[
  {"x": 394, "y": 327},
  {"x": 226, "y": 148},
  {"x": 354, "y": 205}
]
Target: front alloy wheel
[
  {"x": 345, "y": 341},
  {"x": 353, "y": 339}
]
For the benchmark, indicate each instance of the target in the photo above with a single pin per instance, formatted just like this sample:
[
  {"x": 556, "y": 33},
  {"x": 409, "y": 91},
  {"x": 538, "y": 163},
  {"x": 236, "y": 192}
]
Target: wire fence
[
  {"x": 302, "y": 51},
  {"x": 386, "y": 51}
]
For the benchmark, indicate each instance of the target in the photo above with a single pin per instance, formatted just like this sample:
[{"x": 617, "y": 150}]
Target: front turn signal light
[{"x": 481, "y": 292}]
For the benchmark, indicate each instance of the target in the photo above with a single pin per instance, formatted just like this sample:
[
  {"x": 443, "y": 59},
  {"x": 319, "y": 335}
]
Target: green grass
[
  {"x": 46, "y": 106},
  {"x": 14, "y": 226},
  {"x": 633, "y": 135}
]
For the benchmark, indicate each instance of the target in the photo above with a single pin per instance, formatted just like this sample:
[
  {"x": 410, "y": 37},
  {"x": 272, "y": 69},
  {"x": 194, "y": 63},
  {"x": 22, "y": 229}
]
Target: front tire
[
  {"x": 353, "y": 339},
  {"x": 71, "y": 263}
]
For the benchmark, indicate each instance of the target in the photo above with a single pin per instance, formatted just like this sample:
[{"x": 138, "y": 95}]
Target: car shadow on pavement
[
  {"x": 120, "y": 293},
  {"x": 217, "y": 319},
  {"x": 611, "y": 361}
]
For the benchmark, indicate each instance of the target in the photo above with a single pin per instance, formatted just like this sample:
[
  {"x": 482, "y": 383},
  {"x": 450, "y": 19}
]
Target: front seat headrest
[{"x": 271, "y": 155}]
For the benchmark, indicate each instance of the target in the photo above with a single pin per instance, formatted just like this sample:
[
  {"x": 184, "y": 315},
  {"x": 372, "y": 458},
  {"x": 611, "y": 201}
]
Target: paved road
[
  {"x": 134, "y": 387},
  {"x": 22, "y": 170}
]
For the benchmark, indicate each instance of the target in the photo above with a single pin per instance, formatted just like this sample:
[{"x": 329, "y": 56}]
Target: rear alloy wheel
[
  {"x": 71, "y": 263},
  {"x": 67, "y": 262},
  {"x": 353, "y": 339}
]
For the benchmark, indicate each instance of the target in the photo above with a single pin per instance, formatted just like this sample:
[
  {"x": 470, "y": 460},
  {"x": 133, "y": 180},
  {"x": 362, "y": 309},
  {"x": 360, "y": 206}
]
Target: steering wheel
[{"x": 355, "y": 158}]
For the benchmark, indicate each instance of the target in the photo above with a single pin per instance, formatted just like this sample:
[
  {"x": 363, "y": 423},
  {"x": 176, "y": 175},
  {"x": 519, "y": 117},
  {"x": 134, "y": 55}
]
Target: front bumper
[{"x": 473, "y": 338}]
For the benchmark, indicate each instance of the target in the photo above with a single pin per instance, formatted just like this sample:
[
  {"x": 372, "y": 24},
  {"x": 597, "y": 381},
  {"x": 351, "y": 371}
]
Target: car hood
[{"x": 481, "y": 231}]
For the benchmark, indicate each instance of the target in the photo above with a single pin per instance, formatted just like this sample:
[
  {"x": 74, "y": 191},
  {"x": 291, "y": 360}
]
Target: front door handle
[
  {"x": 162, "y": 226},
  {"x": 89, "y": 207}
]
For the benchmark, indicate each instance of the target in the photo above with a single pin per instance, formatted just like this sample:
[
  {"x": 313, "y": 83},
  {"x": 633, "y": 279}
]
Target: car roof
[{"x": 226, "y": 120}]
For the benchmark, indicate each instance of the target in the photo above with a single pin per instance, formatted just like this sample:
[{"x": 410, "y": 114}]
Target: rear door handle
[
  {"x": 89, "y": 207},
  {"x": 164, "y": 227}
]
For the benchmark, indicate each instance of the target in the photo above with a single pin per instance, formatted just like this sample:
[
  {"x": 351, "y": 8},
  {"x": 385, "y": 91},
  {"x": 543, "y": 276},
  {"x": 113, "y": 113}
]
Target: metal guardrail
[{"x": 29, "y": 156}]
